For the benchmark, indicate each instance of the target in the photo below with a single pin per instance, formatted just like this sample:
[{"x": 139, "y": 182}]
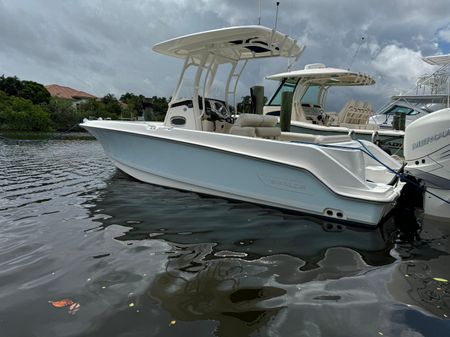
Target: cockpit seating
[{"x": 253, "y": 125}]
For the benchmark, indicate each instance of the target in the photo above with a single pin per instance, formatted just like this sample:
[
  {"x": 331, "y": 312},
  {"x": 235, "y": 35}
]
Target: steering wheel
[{"x": 222, "y": 112}]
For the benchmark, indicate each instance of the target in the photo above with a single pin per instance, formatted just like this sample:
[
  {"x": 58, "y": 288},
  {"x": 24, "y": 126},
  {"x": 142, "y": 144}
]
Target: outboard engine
[{"x": 427, "y": 154}]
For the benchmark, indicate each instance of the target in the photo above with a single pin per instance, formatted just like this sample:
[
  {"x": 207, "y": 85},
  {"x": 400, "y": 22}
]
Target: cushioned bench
[{"x": 252, "y": 125}]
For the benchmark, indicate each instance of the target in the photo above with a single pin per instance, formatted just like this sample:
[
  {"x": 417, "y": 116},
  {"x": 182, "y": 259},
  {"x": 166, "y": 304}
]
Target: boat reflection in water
[
  {"x": 232, "y": 228},
  {"x": 250, "y": 268}
]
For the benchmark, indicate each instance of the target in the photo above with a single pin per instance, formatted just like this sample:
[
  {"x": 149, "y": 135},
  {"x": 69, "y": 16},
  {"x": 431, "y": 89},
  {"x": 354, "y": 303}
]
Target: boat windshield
[
  {"x": 284, "y": 87},
  {"x": 311, "y": 95},
  {"x": 401, "y": 109}
]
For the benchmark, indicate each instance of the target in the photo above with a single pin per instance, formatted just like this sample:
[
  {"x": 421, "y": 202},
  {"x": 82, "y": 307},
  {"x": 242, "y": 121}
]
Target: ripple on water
[{"x": 146, "y": 260}]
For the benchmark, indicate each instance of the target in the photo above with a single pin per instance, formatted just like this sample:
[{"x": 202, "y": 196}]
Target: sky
[{"x": 104, "y": 46}]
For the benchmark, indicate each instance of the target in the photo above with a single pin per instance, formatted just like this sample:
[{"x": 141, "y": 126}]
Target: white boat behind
[
  {"x": 202, "y": 147},
  {"x": 310, "y": 88},
  {"x": 431, "y": 93}
]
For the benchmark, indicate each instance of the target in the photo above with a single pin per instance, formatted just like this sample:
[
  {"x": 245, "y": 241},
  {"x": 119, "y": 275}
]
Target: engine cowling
[{"x": 427, "y": 154}]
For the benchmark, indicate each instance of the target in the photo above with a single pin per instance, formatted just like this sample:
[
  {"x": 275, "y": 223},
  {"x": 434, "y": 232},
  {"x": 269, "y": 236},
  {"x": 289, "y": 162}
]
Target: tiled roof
[{"x": 66, "y": 92}]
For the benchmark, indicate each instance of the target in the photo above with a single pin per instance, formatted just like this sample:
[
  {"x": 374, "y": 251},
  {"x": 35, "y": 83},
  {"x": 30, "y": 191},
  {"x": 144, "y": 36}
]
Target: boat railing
[{"x": 436, "y": 83}]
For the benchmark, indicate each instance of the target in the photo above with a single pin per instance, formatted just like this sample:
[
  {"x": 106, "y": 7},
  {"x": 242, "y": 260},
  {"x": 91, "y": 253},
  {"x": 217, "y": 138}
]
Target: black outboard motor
[{"x": 411, "y": 198}]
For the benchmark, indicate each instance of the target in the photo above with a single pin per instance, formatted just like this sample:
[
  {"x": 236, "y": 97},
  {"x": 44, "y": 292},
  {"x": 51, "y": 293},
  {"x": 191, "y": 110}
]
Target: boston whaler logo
[
  {"x": 284, "y": 183},
  {"x": 431, "y": 139}
]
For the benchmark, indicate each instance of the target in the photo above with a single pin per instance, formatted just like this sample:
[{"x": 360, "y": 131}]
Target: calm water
[{"x": 142, "y": 260}]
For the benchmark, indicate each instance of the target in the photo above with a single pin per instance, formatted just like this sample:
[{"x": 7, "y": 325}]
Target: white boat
[
  {"x": 432, "y": 93},
  {"x": 310, "y": 87},
  {"x": 201, "y": 147}
]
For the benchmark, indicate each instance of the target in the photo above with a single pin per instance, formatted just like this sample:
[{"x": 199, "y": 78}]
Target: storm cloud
[{"x": 104, "y": 46}]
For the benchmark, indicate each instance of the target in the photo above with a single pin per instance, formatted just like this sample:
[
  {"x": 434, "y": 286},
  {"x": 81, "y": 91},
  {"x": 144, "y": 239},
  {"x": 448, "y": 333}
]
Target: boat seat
[
  {"x": 243, "y": 131},
  {"x": 355, "y": 113},
  {"x": 252, "y": 125},
  {"x": 268, "y": 132},
  {"x": 249, "y": 131},
  {"x": 254, "y": 120},
  {"x": 207, "y": 125}
]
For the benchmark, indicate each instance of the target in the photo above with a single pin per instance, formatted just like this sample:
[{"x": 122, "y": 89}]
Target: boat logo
[
  {"x": 284, "y": 183},
  {"x": 431, "y": 139}
]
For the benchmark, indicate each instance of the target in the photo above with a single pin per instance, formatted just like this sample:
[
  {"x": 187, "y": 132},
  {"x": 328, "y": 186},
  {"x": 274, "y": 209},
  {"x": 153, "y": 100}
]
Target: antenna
[
  {"x": 356, "y": 52},
  {"x": 259, "y": 17},
  {"x": 276, "y": 16}
]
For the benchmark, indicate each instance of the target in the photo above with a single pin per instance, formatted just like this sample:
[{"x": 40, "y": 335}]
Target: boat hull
[{"x": 202, "y": 169}]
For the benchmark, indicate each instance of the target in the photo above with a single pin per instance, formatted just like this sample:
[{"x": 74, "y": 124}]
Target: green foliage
[
  {"x": 63, "y": 114},
  {"x": 107, "y": 107},
  {"x": 245, "y": 105},
  {"x": 28, "y": 106},
  {"x": 33, "y": 91},
  {"x": 150, "y": 108},
  {"x": 160, "y": 106},
  {"x": 19, "y": 114},
  {"x": 10, "y": 85},
  {"x": 111, "y": 106}
]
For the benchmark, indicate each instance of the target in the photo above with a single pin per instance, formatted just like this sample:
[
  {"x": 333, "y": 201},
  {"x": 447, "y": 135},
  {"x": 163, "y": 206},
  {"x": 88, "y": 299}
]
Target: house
[{"x": 60, "y": 91}]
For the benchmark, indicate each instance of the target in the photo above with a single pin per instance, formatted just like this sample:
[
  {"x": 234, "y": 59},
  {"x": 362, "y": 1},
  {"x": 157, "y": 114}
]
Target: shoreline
[{"x": 14, "y": 136}]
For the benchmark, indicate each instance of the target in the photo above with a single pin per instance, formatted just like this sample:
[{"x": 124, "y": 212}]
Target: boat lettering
[
  {"x": 431, "y": 139},
  {"x": 284, "y": 184},
  {"x": 392, "y": 145}
]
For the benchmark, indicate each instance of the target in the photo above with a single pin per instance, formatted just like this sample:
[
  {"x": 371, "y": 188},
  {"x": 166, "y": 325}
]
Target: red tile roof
[{"x": 67, "y": 93}]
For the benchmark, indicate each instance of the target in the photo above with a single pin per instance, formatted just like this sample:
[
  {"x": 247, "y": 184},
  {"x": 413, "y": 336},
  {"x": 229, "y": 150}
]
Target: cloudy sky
[{"x": 104, "y": 46}]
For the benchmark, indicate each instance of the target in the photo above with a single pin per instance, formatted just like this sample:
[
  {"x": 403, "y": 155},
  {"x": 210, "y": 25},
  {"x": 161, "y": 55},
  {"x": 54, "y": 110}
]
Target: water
[{"x": 142, "y": 260}]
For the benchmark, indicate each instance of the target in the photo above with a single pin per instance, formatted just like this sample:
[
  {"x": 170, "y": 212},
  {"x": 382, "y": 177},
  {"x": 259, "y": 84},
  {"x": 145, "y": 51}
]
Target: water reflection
[
  {"x": 224, "y": 290},
  {"x": 235, "y": 229},
  {"x": 255, "y": 296},
  {"x": 240, "y": 265},
  {"x": 421, "y": 278}
]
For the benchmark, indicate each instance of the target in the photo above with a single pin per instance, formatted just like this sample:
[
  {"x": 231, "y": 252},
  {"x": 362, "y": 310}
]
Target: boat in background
[
  {"x": 310, "y": 88},
  {"x": 201, "y": 147},
  {"x": 432, "y": 93}
]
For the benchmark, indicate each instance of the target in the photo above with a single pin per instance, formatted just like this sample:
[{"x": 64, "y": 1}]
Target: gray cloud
[{"x": 104, "y": 46}]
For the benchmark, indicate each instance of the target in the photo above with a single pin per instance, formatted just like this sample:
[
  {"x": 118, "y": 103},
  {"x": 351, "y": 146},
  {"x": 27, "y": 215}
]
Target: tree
[
  {"x": 19, "y": 114},
  {"x": 153, "y": 108},
  {"x": 160, "y": 106},
  {"x": 111, "y": 106},
  {"x": 244, "y": 106},
  {"x": 10, "y": 85},
  {"x": 35, "y": 92},
  {"x": 107, "y": 107},
  {"x": 133, "y": 104},
  {"x": 127, "y": 97},
  {"x": 63, "y": 114}
]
